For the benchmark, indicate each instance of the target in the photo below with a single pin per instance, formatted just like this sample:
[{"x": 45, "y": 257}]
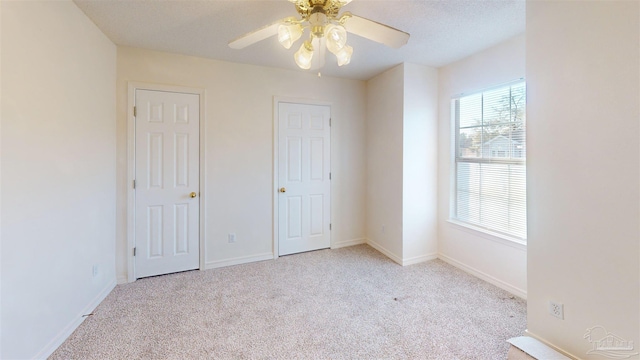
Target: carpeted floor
[{"x": 350, "y": 303}]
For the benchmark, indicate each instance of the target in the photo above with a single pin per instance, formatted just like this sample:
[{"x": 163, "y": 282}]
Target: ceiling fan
[{"x": 327, "y": 30}]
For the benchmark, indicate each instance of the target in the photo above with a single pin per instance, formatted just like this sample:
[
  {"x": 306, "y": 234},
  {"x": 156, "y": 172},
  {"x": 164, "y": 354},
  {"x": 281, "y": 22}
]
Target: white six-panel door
[
  {"x": 303, "y": 178},
  {"x": 166, "y": 182}
]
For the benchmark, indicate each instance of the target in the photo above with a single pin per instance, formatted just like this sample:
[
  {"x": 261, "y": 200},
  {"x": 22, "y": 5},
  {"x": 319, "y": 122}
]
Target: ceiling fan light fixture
[
  {"x": 304, "y": 55},
  {"x": 336, "y": 37},
  {"x": 289, "y": 34},
  {"x": 328, "y": 31},
  {"x": 344, "y": 55}
]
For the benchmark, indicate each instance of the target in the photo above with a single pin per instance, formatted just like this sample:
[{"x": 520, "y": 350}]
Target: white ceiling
[{"x": 442, "y": 31}]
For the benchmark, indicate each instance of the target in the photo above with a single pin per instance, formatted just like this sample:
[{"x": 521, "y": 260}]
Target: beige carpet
[{"x": 350, "y": 303}]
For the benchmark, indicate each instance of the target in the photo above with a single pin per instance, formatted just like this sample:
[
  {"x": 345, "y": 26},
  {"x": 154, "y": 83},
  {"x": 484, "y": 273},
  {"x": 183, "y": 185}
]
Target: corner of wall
[
  {"x": 59, "y": 173},
  {"x": 81, "y": 316},
  {"x": 483, "y": 256}
]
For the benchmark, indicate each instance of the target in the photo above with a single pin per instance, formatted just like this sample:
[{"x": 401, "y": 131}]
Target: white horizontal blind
[{"x": 490, "y": 161}]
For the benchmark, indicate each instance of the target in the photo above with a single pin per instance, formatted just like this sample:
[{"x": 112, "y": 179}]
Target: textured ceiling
[{"x": 442, "y": 31}]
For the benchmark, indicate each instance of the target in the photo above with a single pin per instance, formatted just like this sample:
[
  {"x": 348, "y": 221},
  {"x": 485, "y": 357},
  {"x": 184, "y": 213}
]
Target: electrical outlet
[
  {"x": 556, "y": 309},
  {"x": 95, "y": 270},
  {"x": 232, "y": 238}
]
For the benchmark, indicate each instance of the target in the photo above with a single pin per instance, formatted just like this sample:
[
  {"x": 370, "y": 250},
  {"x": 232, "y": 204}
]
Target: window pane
[
  {"x": 470, "y": 143},
  {"x": 496, "y": 106},
  {"x": 471, "y": 110},
  {"x": 468, "y": 192},
  {"x": 494, "y": 212},
  {"x": 519, "y": 150},
  {"x": 517, "y": 218},
  {"x": 518, "y": 183},
  {"x": 497, "y": 141},
  {"x": 518, "y": 99},
  {"x": 490, "y": 180},
  {"x": 492, "y": 196}
]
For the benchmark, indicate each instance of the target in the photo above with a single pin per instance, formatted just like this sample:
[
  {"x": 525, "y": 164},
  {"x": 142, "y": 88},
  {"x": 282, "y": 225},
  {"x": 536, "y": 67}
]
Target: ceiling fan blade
[
  {"x": 375, "y": 31},
  {"x": 256, "y": 35}
]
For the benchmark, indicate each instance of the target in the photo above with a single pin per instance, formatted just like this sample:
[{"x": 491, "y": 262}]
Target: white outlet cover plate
[{"x": 556, "y": 309}]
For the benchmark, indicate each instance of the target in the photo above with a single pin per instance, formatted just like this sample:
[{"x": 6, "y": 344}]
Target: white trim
[
  {"x": 238, "y": 260},
  {"x": 73, "y": 325},
  {"x": 131, "y": 200},
  {"x": 493, "y": 87},
  {"x": 535, "y": 348},
  {"x": 122, "y": 280},
  {"x": 563, "y": 352},
  {"x": 384, "y": 251},
  {"x": 484, "y": 276},
  {"x": 490, "y": 235},
  {"x": 202, "y": 93},
  {"x": 274, "y": 190},
  {"x": 345, "y": 243},
  {"x": 419, "y": 259},
  {"x": 397, "y": 259},
  {"x": 274, "y": 197},
  {"x": 132, "y": 87}
]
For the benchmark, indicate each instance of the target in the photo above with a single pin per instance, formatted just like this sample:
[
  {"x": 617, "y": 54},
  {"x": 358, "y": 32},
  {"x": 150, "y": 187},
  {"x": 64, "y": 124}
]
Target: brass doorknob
[
  {"x": 283, "y": 190},
  {"x": 193, "y": 194}
]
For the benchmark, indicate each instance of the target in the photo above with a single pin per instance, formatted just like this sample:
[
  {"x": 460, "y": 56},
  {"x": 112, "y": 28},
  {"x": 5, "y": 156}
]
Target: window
[{"x": 490, "y": 160}]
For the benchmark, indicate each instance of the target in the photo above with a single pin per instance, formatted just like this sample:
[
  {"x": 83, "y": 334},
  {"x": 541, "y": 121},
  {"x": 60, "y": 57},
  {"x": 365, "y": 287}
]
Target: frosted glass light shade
[
  {"x": 288, "y": 34},
  {"x": 304, "y": 55},
  {"x": 336, "y": 36},
  {"x": 344, "y": 55}
]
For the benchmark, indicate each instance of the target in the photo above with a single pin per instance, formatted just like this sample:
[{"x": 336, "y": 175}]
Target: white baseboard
[
  {"x": 384, "y": 251},
  {"x": 419, "y": 259},
  {"x": 73, "y": 325},
  {"x": 397, "y": 259},
  {"x": 563, "y": 352},
  {"x": 484, "y": 276},
  {"x": 122, "y": 279},
  {"x": 345, "y": 243},
  {"x": 238, "y": 260}
]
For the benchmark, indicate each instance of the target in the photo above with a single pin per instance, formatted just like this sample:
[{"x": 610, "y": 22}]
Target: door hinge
[
  {"x": 135, "y": 112},
  {"x": 329, "y": 176},
  {"x": 134, "y": 251},
  {"x": 329, "y": 226},
  {"x": 329, "y": 121},
  {"x": 134, "y": 184}
]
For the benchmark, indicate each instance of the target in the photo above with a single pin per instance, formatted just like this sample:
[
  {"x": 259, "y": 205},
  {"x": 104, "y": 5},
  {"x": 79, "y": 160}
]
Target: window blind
[{"x": 490, "y": 160}]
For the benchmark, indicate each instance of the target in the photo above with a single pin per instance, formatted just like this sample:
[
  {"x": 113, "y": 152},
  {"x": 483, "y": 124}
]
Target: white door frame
[
  {"x": 276, "y": 134},
  {"x": 131, "y": 153}
]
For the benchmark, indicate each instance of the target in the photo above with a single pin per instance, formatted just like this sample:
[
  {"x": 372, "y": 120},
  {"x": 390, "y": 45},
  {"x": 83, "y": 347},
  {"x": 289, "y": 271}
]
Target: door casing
[
  {"x": 132, "y": 87},
  {"x": 276, "y": 131}
]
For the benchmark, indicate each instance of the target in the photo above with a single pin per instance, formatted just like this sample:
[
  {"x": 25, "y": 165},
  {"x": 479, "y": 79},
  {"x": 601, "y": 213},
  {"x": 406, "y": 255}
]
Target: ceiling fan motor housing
[
  {"x": 330, "y": 8},
  {"x": 317, "y": 20}
]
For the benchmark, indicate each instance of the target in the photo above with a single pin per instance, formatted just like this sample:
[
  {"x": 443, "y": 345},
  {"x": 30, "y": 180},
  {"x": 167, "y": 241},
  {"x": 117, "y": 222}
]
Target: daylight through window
[{"x": 490, "y": 160}]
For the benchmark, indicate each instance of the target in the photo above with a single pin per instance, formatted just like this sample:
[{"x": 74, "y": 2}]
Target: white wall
[
  {"x": 493, "y": 259},
  {"x": 58, "y": 173},
  {"x": 384, "y": 134},
  {"x": 401, "y": 163},
  {"x": 583, "y": 103},
  {"x": 420, "y": 164},
  {"x": 239, "y": 148}
]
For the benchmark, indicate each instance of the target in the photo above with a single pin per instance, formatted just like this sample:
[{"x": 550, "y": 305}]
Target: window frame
[{"x": 454, "y": 158}]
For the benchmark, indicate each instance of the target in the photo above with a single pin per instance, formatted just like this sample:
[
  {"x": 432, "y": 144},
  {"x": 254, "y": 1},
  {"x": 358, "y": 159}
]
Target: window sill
[{"x": 490, "y": 235}]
